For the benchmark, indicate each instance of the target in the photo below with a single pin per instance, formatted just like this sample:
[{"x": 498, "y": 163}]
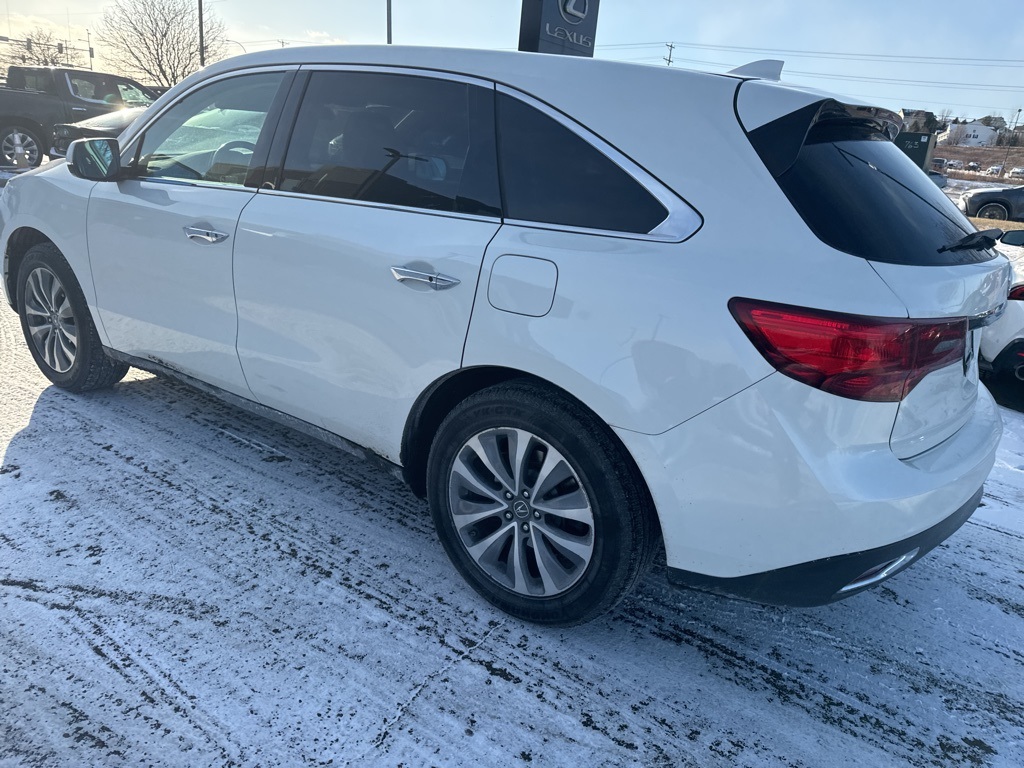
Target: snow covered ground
[{"x": 183, "y": 584}]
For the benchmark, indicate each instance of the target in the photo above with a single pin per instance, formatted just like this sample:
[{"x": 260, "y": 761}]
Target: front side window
[
  {"x": 403, "y": 140},
  {"x": 211, "y": 134},
  {"x": 550, "y": 174},
  {"x": 107, "y": 89}
]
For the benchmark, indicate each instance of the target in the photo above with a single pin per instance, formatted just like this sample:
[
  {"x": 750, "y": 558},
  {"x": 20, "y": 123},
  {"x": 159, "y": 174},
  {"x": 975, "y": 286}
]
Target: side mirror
[
  {"x": 1013, "y": 237},
  {"x": 95, "y": 159}
]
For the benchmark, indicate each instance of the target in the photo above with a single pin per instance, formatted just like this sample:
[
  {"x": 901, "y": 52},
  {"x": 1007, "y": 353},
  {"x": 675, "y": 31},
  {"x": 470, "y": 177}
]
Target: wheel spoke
[
  {"x": 56, "y": 292},
  {"x": 541, "y": 554},
  {"x": 489, "y": 457},
  {"x": 39, "y": 331},
  {"x": 572, "y": 506},
  {"x": 468, "y": 476},
  {"x": 37, "y": 293},
  {"x": 50, "y": 352},
  {"x": 479, "y": 549},
  {"x": 522, "y": 448},
  {"x": 520, "y": 583},
  {"x": 32, "y": 309},
  {"x": 463, "y": 519},
  {"x": 67, "y": 351},
  {"x": 573, "y": 545}
]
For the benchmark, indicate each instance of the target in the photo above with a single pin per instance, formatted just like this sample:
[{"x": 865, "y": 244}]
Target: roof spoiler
[{"x": 779, "y": 142}]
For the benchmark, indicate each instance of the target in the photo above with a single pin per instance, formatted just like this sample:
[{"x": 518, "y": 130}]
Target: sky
[{"x": 934, "y": 55}]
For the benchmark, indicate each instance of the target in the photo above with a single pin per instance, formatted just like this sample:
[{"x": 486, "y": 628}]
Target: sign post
[{"x": 565, "y": 27}]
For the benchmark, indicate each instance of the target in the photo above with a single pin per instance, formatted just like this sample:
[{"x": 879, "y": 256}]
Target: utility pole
[
  {"x": 668, "y": 59},
  {"x": 389, "y": 22},
  {"x": 202, "y": 41}
]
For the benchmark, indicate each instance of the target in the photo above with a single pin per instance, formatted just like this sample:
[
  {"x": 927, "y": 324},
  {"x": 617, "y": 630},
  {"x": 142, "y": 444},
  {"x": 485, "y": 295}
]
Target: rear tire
[
  {"x": 993, "y": 211},
  {"x": 537, "y": 505},
  {"x": 58, "y": 326}
]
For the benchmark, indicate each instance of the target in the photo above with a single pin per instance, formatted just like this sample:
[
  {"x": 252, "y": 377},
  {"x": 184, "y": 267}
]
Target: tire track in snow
[{"x": 299, "y": 611}]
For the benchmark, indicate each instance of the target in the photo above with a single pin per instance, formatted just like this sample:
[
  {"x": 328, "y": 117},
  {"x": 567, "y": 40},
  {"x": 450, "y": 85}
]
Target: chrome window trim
[
  {"x": 682, "y": 220},
  {"x": 172, "y": 182},
  {"x": 384, "y": 206},
  {"x": 655, "y": 235},
  {"x": 433, "y": 74}
]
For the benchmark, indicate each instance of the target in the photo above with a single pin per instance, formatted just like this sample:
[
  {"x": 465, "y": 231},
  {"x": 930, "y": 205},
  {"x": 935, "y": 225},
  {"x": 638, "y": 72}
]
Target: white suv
[{"x": 587, "y": 307}]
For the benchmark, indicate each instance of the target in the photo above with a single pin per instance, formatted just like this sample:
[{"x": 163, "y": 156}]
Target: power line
[{"x": 888, "y": 57}]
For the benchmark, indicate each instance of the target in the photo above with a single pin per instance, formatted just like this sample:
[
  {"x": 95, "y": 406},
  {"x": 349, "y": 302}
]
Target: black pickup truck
[{"x": 37, "y": 98}]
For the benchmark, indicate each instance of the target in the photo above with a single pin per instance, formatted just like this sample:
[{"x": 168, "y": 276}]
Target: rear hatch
[{"x": 858, "y": 193}]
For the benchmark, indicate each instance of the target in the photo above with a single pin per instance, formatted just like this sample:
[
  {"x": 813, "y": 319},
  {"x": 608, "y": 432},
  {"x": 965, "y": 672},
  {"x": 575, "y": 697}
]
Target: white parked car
[
  {"x": 522, "y": 278},
  {"x": 994, "y": 170},
  {"x": 1002, "y": 342},
  {"x": 1016, "y": 173}
]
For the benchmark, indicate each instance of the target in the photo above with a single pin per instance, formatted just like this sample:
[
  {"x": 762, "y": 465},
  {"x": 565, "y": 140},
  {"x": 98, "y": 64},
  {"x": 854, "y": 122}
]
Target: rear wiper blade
[{"x": 975, "y": 241}]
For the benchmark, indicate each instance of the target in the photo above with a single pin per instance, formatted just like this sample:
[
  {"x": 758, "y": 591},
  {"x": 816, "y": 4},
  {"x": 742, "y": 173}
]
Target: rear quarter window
[{"x": 551, "y": 175}]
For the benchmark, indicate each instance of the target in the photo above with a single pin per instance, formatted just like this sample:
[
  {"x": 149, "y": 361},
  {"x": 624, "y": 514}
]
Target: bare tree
[
  {"x": 157, "y": 41},
  {"x": 47, "y": 50},
  {"x": 956, "y": 135},
  {"x": 943, "y": 118}
]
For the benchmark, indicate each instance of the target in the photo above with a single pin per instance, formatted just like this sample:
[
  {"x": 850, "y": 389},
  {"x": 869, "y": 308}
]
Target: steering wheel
[{"x": 220, "y": 155}]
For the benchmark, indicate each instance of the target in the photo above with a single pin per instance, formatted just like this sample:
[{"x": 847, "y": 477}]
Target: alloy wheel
[
  {"x": 521, "y": 512},
  {"x": 17, "y": 142},
  {"x": 50, "y": 319}
]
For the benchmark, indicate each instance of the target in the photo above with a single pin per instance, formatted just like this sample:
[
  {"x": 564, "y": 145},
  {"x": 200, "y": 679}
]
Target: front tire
[
  {"x": 993, "y": 211},
  {"x": 537, "y": 505},
  {"x": 57, "y": 324}
]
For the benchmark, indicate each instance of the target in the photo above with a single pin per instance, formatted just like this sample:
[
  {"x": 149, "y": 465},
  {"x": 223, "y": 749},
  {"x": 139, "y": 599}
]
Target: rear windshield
[{"x": 860, "y": 194}]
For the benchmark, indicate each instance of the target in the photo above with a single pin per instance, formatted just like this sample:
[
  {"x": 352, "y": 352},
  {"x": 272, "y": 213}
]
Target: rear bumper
[
  {"x": 783, "y": 475},
  {"x": 833, "y": 578}
]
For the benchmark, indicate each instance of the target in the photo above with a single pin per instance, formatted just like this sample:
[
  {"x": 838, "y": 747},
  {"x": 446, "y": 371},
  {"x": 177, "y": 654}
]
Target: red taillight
[
  {"x": 1017, "y": 292},
  {"x": 863, "y": 358}
]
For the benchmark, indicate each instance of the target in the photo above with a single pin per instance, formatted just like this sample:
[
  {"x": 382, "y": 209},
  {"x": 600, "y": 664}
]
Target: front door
[{"x": 161, "y": 242}]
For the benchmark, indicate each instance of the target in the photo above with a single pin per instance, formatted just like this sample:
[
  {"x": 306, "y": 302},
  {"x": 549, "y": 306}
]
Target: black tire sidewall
[
  {"x": 48, "y": 256},
  {"x": 1006, "y": 213},
  {"x": 621, "y": 537}
]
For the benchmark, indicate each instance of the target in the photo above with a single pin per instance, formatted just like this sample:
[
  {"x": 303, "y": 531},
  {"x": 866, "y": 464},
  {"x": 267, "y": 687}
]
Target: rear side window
[
  {"x": 551, "y": 175},
  {"x": 402, "y": 140},
  {"x": 860, "y": 194}
]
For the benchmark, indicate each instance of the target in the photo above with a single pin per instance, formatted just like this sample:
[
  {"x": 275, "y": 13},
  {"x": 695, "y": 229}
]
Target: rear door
[{"x": 356, "y": 265}]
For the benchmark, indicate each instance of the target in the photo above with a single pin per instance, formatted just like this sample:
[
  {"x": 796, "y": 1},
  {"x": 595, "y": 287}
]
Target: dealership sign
[{"x": 558, "y": 26}]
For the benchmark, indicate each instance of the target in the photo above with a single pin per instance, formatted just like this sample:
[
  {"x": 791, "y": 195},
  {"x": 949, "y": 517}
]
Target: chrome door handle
[
  {"x": 200, "y": 235},
  {"x": 436, "y": 281}
]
